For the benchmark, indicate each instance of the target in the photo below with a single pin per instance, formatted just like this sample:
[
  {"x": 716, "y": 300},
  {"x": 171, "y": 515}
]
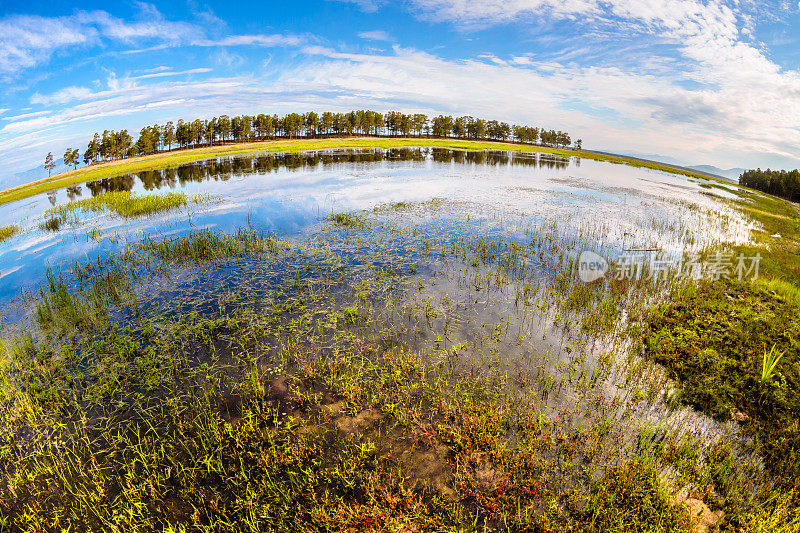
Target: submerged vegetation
[{"x": 296, "y": 406}]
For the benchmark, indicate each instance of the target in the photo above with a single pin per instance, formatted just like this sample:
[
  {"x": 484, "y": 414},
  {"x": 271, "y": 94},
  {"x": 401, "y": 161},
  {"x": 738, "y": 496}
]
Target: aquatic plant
[
  {"x": 346, "y": 220},
  {"x": 769, "y": 362},
  {"x": 123, "y": 203},
  {"x": 6, "y": 232},
  {"x": 204, "y": 246},
  {"x": 429, "y": 373}
]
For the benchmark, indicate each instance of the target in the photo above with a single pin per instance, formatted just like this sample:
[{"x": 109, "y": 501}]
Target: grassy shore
[
  {"x": 170, "y": 159},
  {"x": 715, "y": 339}
]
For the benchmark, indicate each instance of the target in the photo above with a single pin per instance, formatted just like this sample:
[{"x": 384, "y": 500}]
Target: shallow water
[
  {"x": 624, "y": 207},
  {"x": 465, "y": 258}
]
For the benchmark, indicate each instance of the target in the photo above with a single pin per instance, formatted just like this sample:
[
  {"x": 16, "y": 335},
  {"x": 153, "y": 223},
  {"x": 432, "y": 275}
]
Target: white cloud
[
  {"x": 29, "y": 41},
  {"x": 615, "y": 107},
  {"x": 27, "y": 115},
  {"x": 153, "y": 26},
  {"x": 164, "y": 73},
  {"x": 721, "y": 100},
  {"x": 63, "y": 96},
  {"x": 375, "y": 35},
  {"x": 368, "y": 6},
  {"x": 753, "y": 101},
  {"x": 118, "y": 84},
  {"x": 25, "y": 41},
  {"x": 252, "y": 40},
  {"x": 492, "y": 11},
  {"x": 227, "y": 59},
  {"x": 162, "y": 68}
]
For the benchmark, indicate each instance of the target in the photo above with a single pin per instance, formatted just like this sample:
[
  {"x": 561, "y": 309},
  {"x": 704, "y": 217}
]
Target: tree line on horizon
[
  {"x": 223, "y": 129},
  {"x": 782, "y": 183}
]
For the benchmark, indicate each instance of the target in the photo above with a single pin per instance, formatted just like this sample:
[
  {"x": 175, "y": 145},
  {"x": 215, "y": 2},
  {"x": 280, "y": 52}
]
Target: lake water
[
  {"x": 466, "y": 258},
  {"x": 622, "y": 206}
]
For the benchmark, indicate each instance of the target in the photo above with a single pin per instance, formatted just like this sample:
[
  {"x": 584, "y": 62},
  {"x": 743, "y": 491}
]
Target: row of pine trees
[
  {"x": 783, "y": 183},
  {"x": 222, "y": 129}
]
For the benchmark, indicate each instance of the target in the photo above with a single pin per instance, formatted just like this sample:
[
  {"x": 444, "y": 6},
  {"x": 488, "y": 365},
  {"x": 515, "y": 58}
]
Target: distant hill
[
  {"x": 657, "y": 158},
  {"x": 730, "y": 174},
  {"x": 27, "y": 176}
]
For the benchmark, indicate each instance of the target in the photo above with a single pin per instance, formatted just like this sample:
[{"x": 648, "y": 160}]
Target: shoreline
[{"x": 118, "y": 167}]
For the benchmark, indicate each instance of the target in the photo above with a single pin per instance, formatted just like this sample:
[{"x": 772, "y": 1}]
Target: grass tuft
[
  {"x": 123, "y": 203},
  {"x": 769, "y": 362},
  {"x": 6, "y": 232},
  {"x": 346, "y": 220}
]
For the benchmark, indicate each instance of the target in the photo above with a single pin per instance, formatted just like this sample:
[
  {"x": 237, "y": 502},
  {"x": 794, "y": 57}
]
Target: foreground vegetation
[
  {"x": 395, "y": 372},
  {"x": 733, "y": 345},
  {"x": 176, "y": 158},
  {"x": 303, "y": 403}
]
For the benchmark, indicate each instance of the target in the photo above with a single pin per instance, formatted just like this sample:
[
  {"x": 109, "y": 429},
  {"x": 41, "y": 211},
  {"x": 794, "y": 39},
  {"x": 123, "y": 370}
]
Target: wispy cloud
[
  {"x": 162, "y": 74},
  {"x": 375, "y": 35},
  {"x": 737, "y": 87},
  {"x": 607, "y": 106},
  {"x": 252, "y": 40},
  {"x": 28, "y": 41},
  {"x": 369, "y": 6},
  {"x": 63, "y": 96}
]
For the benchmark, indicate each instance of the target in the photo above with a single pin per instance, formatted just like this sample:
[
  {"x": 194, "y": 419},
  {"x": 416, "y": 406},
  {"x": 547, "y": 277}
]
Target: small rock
[{"x": 703, "y": 516}]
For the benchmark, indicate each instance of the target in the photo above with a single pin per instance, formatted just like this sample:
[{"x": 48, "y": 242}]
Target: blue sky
[{"x": 714, "y": 82}]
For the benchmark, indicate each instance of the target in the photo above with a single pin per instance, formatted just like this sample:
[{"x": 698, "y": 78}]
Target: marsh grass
[
  {"x": 123, "y": 203},
  {"x": 346, "y": 220},
  {"x": 239, "y": 422},
  {"x": 6, "y": 232},
  {"x": 712, "y": 336},
  {"x": 206, "y": 246},
  {"x": 322, "y": 384},
  {"x": 782, "y": 288},
  {"x": 769, "y": 362},
  {"x": 712, "y": 339}
]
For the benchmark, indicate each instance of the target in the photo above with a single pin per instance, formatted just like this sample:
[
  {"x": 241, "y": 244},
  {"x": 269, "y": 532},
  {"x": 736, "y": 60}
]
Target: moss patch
[{"x": 712, "y": 338}]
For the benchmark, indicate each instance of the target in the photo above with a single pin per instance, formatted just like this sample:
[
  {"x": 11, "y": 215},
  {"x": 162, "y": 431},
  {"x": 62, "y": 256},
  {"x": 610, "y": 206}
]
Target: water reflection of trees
[{"x": 222, "y": 169}]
